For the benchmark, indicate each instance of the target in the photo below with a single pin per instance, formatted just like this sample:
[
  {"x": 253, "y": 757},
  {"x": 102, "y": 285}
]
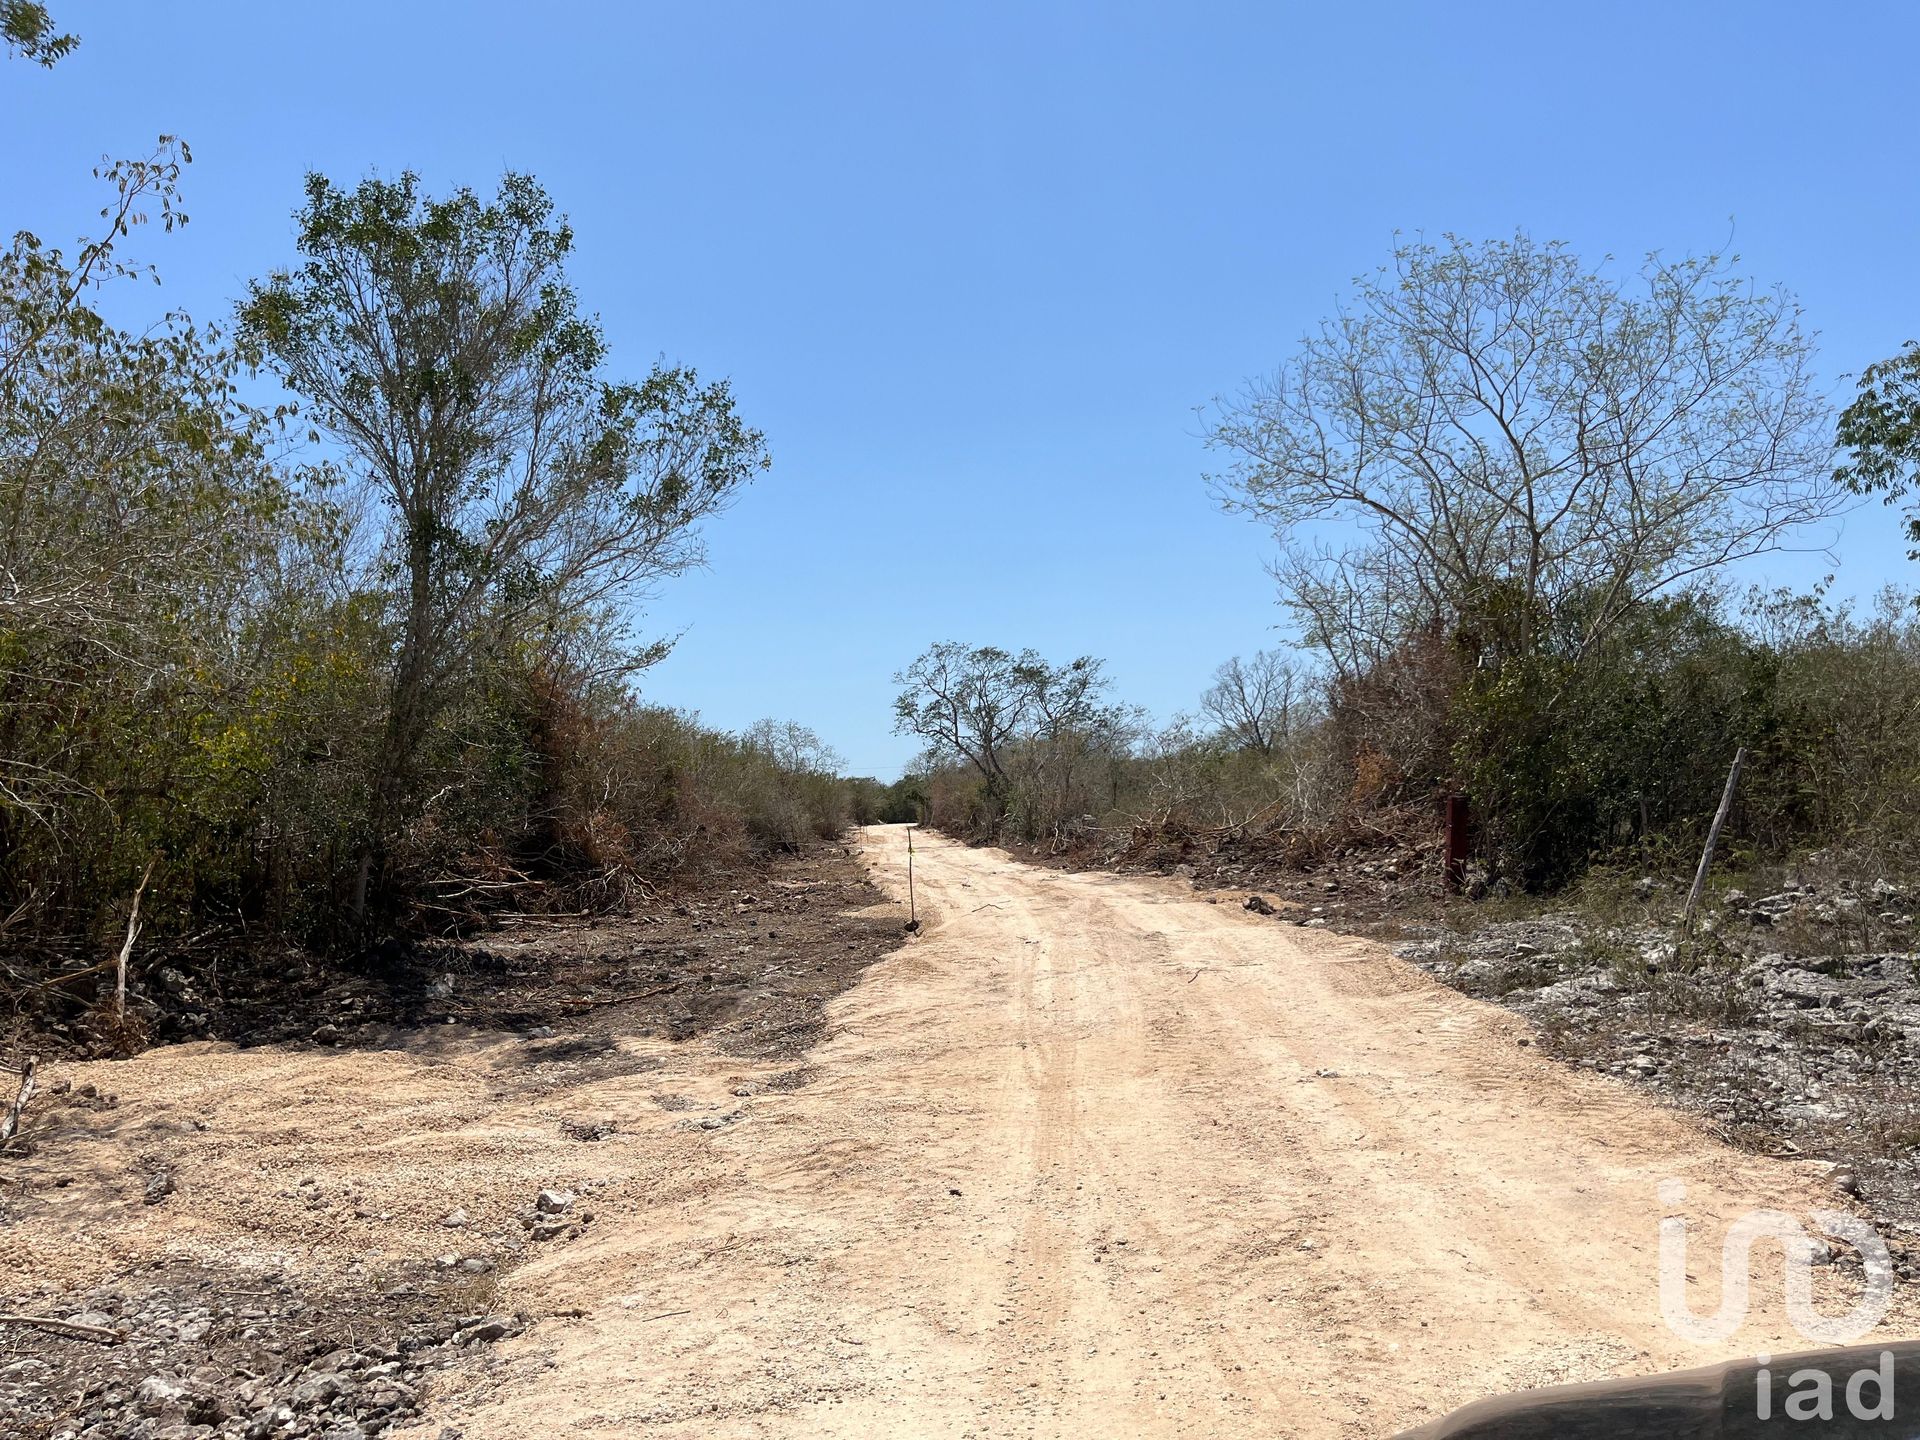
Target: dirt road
[
  {"x": 1089, "y": 1156},
  {"x": 1094, "y": 1157}
]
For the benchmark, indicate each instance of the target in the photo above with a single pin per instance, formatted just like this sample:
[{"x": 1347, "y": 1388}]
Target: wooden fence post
[
  {"x": 1713, "y": 839},
  {"x": 913, "y": 910}
]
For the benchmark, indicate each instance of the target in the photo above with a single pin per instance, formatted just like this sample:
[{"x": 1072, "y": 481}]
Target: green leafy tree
[
  {"x": 440, "y": 347},
  {"x": 1881, "y": 432},
  {"x": 29, "y": 32}
]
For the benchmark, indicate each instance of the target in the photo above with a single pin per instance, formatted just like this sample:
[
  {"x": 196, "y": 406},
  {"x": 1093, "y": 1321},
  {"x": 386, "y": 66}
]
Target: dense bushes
[
  {"x": 314, "y": 700},
  {"x": 871, "y": 803},
  {"x": 1569, "y": 758},
  {"x": 1570, "y": 754},
  {"x": 1566, "y": 754}
]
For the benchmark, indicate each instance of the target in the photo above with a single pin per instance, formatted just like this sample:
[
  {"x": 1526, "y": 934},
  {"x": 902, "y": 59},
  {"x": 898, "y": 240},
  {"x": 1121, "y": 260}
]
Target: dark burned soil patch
[
  {"x": 751, "y": 957},
  {"x": 751, "y": 965},
  {"x": 747, "y": 964},
  {"x": 245, "y": 1354}
]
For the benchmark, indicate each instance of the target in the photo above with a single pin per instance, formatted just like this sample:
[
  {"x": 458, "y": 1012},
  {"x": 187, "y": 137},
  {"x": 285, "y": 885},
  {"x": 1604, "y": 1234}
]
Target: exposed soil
[
  {"x": 298, "y": 1234},
  {"x": 1790, "y": 1022},
  {"x": 1087, "y": 1155},
  {"x": 1092, "y": 1155}
]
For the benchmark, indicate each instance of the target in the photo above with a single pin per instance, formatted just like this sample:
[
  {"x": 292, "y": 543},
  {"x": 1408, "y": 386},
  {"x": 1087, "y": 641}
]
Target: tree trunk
[{"x": 405, "y": 730}]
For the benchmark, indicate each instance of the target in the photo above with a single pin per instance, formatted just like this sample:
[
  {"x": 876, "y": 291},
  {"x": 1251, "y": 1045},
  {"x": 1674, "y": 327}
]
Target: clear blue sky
[{"x": 973, "y": 266}]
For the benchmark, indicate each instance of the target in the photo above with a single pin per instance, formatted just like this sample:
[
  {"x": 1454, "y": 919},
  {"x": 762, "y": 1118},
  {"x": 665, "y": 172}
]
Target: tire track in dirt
[{"x": 1092, "y": 1156}]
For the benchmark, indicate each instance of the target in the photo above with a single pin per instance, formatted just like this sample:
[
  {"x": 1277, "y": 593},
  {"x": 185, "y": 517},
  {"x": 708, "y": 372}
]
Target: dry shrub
[
  {"x": 1391, "y": 722},
  {"x": 1375, "y": 777},
  {"x": 117, "y": 1034}
]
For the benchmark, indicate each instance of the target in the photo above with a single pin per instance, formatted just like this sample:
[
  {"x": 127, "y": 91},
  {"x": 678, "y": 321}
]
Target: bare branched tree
[
  {"x": 1251, "y": 705},
  {"x": 1028, "y": 727},
  {"x": 1071, "y": 721},
  {"x": 792, "y": 747},
  {"x": 1492, "y": 430}
]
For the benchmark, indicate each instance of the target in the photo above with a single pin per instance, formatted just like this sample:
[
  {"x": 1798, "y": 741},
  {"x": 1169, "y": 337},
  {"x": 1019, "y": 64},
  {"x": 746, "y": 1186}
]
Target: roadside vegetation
[
  {"x": 1508, "y": 490},
  {"x": 356, "y": 659}
]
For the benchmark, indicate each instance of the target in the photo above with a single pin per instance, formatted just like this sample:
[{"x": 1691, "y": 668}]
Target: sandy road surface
[
  {"x": 1088, "y": 1157},
  {"x": 1094, "y": 1157}
]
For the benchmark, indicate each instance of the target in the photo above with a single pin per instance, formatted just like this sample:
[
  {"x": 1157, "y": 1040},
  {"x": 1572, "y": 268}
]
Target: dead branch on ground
[{"x": 65, "y": 1327}]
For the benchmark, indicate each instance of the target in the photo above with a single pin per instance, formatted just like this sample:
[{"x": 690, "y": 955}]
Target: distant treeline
[{"x": 1622, "y": 759}]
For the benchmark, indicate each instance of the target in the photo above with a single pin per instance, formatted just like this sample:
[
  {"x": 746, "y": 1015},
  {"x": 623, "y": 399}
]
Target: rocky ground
[
  {"x": 1790, "y": 1020},
  {"x": 1362, "y": 876},
  {"x": 329, "y": 1300},
  {"x": 202, "y": 1356}
]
